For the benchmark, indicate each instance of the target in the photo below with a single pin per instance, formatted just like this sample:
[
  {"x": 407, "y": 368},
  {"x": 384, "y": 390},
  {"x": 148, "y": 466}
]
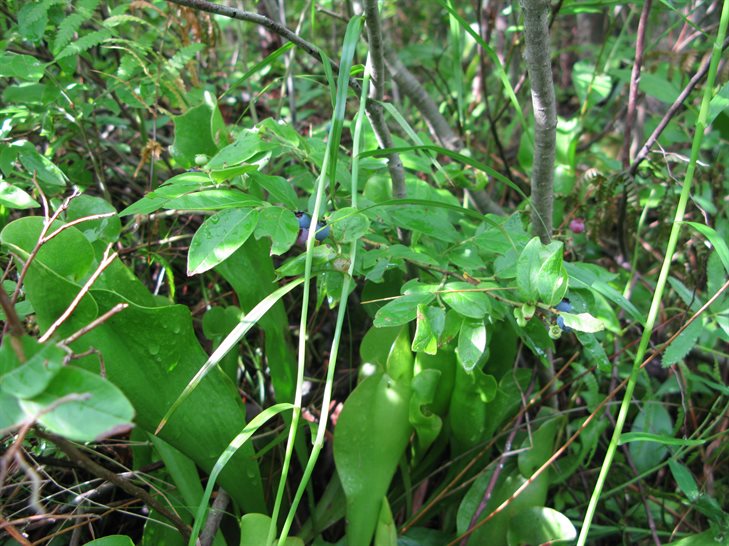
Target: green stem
[
  {"x": 321, "y": 430},
  {"x": 663, "y": 276},
  {"x": 330, "y": 155}
]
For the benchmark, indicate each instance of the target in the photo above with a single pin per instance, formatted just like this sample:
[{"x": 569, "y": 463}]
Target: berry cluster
[{"x": 322, "y": 230}]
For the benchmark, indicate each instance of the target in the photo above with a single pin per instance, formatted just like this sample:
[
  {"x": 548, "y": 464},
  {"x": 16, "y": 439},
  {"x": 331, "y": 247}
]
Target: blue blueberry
[
  {"x": 322, "y": 232},
  {"x": 304, "y": 220},
  {"x": 560, "y": 323},
  {"x": 564, "y": 306}
]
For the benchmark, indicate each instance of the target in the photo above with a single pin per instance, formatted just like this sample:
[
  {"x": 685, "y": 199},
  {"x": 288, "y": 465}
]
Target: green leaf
[
  {"x": 426, "y": 423},
  {"x": 428, "y": 221},
  {"x": 247, "y": 146},
  {"x": 50, "y": 178},
  {"x": 246, "y": 323},
  {"x": 682, "y": 345},
  {"x": 280, "y": 225},
  {"x": 468, "y": 410},
  {"x": 471, "y": 343},
  {"x": 106, "y": 229},
  {"x": 218, "y": 237},
  {"x": 254, "y": 529},
  {"x": 369, "y": 440},
  {"x": 586, "y": 81},
  {"x": 15, "y": 198},
  {"x": 150, "y": 352},
  {"x": 34, "y": 375},
  {"x": 716, "y": 240},
  {"x": 10, "y": 412},
  {"x": 719, "y": 103},
  {"x": 22, "y": 67},
  {"x": 85, "y": 406},
  {"x": 583, "y": 322},
  {"x": 401, "y": 310},
  {"x": 684, "y": 479},
  {"x": 540, "y": 273},
  {"x": 662, "y": 439},
  {"x": 653, "y": 419},
  {"x": 348, "y": 224},
  {"x": 540, "y": 525},
  {"x": 197, "y": 131},
  {"x": 466, "y": 299},
  {"x": 594, "y": 351},
  {"x": 430, "y": 322},
  {"x": 386, "y": 532},
  {"x": 32, "y": 20},
  {"x": 321, "y": 256},
  {"x": 112, "y": 540},
  {"x": 85, "y": 42},
  {"x": 279, "y": 189},
  {"x": 176, "y": 186},
  {"x": 212, "y": 200}
]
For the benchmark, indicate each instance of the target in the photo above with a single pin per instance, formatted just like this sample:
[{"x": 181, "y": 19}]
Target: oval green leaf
[{"x": 218, "y": 237}]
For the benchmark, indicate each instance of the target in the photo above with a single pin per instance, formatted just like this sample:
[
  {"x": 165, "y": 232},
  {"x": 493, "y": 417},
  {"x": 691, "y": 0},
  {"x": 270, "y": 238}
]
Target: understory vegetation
[{"x": 392, "y": 273}]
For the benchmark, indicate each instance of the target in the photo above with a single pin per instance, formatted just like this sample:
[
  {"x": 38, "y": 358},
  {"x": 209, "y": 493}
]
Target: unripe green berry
[
  {"x": 201, "y": 159},
  {"x": 528, "y": 310},
  {"x": 555, "y": 332}
]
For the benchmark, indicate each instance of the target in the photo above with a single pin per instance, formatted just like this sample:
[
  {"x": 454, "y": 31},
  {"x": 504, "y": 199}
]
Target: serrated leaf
[
  {"x": 280, "y": 225},
  {"x": 583, "y": 322},
  {"x": 66, "y": 29},
  {"x": 84, "y": 43},
  {"x": 682, "y": 345},
  {"x": 218, "y": 237}
]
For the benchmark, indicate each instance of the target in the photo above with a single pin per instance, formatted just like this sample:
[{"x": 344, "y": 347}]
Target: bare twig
[
  {"x": 671, "y": 112},
  {"x": 634, "y": 81},
  {"x": 215, "y": 516},
  {"x": 119, "y": 307},
  {"x": 13, "y": 532},
  {"x": 376, "y": 65},
  {"x": 14, "y": 325},
  {"x": 33, "y": 253},
  {"x": 76, "y": 222},
  {"x": 495, "y": 475},
  {"x": 97, "y": 470},
  {"x": 539, "y": 67},
  {"x": 105, "y": 262}
]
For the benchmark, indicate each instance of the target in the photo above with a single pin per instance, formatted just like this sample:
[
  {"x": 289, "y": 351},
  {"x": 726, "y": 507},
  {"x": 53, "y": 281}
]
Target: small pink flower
[{"x": 577, "y": 225}]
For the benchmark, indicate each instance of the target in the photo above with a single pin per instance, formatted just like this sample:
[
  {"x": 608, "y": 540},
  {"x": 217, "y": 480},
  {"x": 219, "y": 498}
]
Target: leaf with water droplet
[{"x": 218, "y": 237}]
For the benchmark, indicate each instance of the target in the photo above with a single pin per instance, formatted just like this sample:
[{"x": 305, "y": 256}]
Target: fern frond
[{"x": 85, "y": 43}]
